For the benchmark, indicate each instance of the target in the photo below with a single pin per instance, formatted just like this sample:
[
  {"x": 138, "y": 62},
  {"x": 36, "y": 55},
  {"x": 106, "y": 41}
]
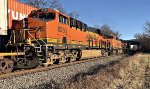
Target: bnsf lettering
[
  {"x": 16, "y": 15},
  {"x": 63, "y": 30}
]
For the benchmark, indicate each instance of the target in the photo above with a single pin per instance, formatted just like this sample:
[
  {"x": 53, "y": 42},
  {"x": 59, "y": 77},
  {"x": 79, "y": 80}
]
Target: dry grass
[{"x": 130, "y": 73}]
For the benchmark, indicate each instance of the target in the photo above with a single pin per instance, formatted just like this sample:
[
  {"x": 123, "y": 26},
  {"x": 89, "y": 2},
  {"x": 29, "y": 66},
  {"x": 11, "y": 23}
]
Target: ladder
[{"x": 39, "y": 47}]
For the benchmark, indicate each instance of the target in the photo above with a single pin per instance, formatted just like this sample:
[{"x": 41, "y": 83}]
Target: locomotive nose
[
  {"x": 36, "y": 28},
  {"x": 34, "y": 24}
]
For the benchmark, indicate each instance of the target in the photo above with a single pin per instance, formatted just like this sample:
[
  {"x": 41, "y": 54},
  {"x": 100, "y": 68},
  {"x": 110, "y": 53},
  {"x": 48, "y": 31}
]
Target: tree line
[
  {"x": 144, "y": 37},
  {"x": 106, "y": 29}
]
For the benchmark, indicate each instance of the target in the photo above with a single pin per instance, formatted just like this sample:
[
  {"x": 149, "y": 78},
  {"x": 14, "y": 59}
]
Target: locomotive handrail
[
  {"x": 37, "y": 30},
  {"x": 42, "y": 41},
  {"x": 11, "y": 54},
  {"x": 33, "y": 38},
  {"x": 9, "y": 40}
]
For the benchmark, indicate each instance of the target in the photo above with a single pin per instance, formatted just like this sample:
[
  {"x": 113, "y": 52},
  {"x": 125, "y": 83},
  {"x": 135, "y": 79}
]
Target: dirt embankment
[{"x": 130, "y": 73}]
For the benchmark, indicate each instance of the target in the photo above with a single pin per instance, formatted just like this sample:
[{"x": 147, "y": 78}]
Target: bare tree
[
  {"x": 137, "y": 36},
  {"x": 61, "y": 9},
  {"x": 54, "y": 4},
  {"x": 35, "y": 3},
  {"x": 145, "y": 41},
  {"x": 117, "y": 34},
  {"x": 147, "y": 28},
  {"x": 97, "y": 26},
  {"x": 107, "y": 30},
  {"x": 144, "y": 37},
  {"x": 74, "y": 14}
]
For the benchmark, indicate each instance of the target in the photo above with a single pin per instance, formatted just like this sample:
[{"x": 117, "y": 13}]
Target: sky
[{"x": 126, "y": 16}]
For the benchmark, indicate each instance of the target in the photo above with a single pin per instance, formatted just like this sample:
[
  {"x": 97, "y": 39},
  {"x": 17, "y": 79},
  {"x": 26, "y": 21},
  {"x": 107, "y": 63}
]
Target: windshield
[{"x": 47, "y": 16}]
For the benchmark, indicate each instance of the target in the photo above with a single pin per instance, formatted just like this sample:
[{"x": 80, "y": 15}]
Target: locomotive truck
[{"x": 47, "y": 36}]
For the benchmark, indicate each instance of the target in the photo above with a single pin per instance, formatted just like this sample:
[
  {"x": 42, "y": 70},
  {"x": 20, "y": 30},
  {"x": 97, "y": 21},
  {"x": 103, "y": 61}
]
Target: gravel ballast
[{"x": 51, "y": 78}]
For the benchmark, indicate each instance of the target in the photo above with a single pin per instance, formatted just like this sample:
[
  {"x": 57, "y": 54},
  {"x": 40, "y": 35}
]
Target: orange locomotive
[
  {"x": 61, "y": 38},
  {"x": 47, "y": 37},
  {"x": 57, "y": 29}
]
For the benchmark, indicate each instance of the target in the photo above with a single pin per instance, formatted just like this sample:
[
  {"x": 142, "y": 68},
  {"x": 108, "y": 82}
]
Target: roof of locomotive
[
  {"x": 94, "y": 30},
  {"x": 107, "y": 35},
  {"x": 98, "y": 31}
]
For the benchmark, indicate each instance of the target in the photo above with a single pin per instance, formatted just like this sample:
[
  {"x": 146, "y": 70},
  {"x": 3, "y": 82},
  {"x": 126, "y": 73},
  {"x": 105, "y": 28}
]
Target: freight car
[
  {"x": 48, "y": 36},
  {"x": 18, "y": 11},
  {"x": 15, "y": 11},
  {"x": 10, "y": 10}
]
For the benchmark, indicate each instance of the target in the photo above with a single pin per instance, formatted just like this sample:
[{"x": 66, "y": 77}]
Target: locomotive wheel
[
  {"x": 6, "y": 66},
  {"x": 28, "y": 63},
  {"x": 79, "y": 55},
  {"x": 63, "y": 59},
  {"x": 106, "y": 53},
  {"x": 31, "y": 60},
  {"x": 32, "y": 63},
  {"x": 103, "y": 53},
  {"x": 73, "y": 59}
]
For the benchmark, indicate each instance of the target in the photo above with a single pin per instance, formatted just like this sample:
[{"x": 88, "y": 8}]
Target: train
[
  {"x": 132, "y": 46},
  {"x": 47, "y": 37}
]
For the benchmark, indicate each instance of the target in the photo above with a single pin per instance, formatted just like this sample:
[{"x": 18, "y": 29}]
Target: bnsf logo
[{"x": 16, "y": 15}]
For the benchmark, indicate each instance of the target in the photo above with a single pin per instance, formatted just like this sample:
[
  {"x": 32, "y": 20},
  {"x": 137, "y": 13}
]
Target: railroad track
[{"x": 54, "y": 66}]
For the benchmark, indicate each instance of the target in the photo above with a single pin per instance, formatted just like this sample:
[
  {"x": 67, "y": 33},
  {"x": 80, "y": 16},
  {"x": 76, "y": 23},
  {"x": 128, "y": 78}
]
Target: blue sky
[{"x": 126, "y": 16}]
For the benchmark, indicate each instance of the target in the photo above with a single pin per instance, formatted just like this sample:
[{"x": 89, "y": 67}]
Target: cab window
[
  {"x": 63, "y": 19},
  {"x": 46, "y": 16}
]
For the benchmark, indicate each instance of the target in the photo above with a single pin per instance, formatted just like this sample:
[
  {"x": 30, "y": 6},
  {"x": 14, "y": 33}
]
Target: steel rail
[{"x": 54, "y": 66}]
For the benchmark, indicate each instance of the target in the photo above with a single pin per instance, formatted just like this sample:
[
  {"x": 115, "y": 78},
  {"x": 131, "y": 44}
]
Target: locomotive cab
[
  {"x": 43, "y": 24},
  {"x": 43, "y": 14}
]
